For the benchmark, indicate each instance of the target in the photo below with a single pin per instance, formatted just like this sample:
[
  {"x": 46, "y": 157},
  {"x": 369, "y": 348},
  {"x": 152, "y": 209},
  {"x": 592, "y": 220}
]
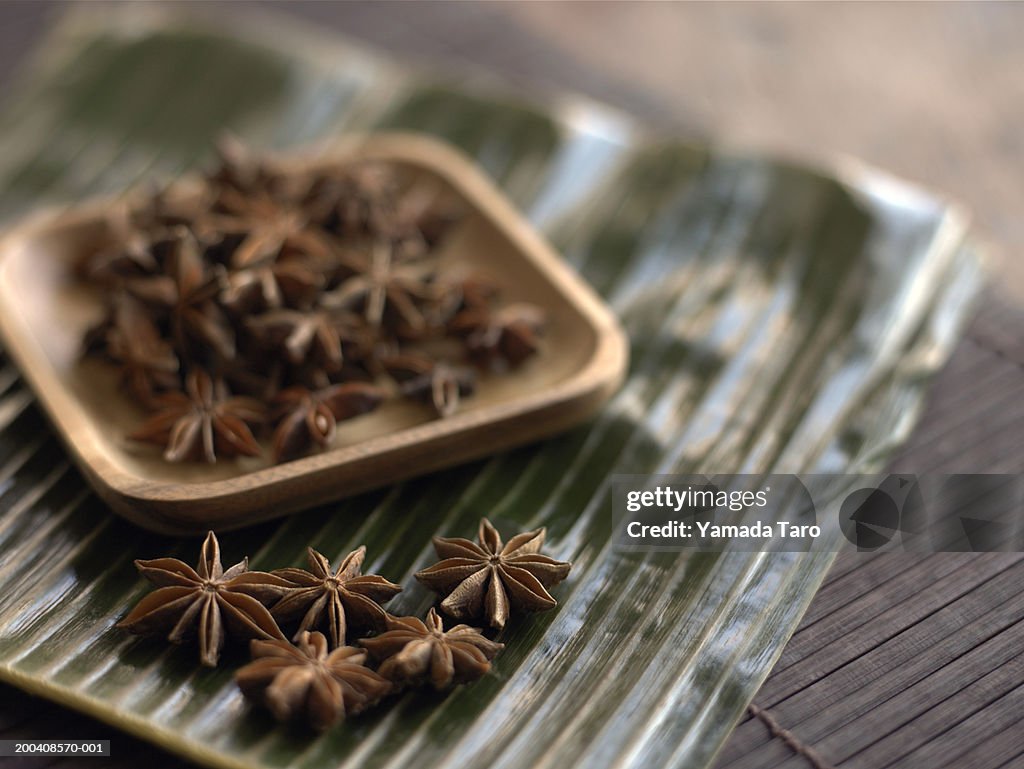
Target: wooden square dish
[{"x": 44, "y": 311}]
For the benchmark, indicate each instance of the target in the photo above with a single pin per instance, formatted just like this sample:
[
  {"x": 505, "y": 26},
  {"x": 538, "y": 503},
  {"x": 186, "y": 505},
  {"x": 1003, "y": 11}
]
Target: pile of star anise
[
  {"x": 324, "y": 676},
  {"x": 285, "y": 301}
]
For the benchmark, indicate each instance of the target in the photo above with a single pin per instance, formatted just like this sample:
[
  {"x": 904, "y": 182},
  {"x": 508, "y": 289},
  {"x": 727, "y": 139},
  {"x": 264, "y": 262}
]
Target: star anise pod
[
  {"x": 130, "y": 254},
  {"x": 317, "y": 336},
  {"x": 207, "y": 602},
  {"x": 148, "y": 364},
  {"x": 263, "y": 385},
  {"x": 187, "y": 292},
  {"x": 381, "y": 286},
  {"x": 171, "y": 206},
  {"x": 202, "y": 422},
  {"x": 239, "y": 167},
  {"x": 306, "y": 680},
  {"x": 487, "y": 579},
  {"x": 266, "y": 230},
  {"x": 435, "y": 382},
  {"x": 358, "y": 199},
  {"x": 336, "y": 600},
  {"x": 269, "y": 285},
  {"x": 308, "y": 418},
  {"x": 420, "y": 220},
  {"x": 510, "y": 334},
  {"x": 412, "y": 651},
  {"x": 254, "y": 207},
  {"x": 456, "y": 296}
]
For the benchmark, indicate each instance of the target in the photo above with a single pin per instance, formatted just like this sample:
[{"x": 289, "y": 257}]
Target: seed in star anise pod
[
  {"x": 207, "y": 602},
  {"x": 413, "y": 651},
  {"x": 307, "y": 681},
  {"x": 202, "y": 422},
  {"x": 309, "y": 418},
  {"x": 488, "y": 578}
]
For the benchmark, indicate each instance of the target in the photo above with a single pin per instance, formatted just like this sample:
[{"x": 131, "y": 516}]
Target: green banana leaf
[{"x": 781, "y": 320}]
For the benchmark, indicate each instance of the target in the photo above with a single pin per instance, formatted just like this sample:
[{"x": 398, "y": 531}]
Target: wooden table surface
[{"x": 914, "y": 661}]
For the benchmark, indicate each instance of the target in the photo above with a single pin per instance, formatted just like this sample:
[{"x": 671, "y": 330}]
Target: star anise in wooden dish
[
  {"x": 206, "y": 602},
  {"x": 413, "y": 651},
  {"x": 185, "y": 295},
  {"x": 271, "y": 285},
  {"x": 504, "y": 337},
  {"x": 431, "y": 381},
  {"x": 203, "y": 422},
  {"x": 381, "y": 286},
  {"x": 309, "y": 417},
  {"x": 174, "y": 252},
  {"x": 489, "y": 579},
  {"x": 309, "y": 682},
  {"x": 336, "y": 600},
  {"x": 131, "y": 255},
  {"x": 316, "y": 337},
  {"x": 147, "y": 364},
  {"x": 319, "y": 293},
  {"x": 355, "y": 201}
]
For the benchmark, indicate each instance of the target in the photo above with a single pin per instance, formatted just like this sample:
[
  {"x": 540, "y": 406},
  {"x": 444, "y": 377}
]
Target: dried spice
[
  {"x": 271, "y": 285},
  {"x": 267, "y": 231},
  {"x": 420, "y": 222},
  {"x": 509, "y": 335},
  {"x": 357, "y": 200},
  {"x": 336, "y": 600},
  {"x": 148, "y": 364},
  {"x": 239, "y": 167},
  {"x": 316, "y": 337},
  {"x": 130, "y": 256},
  {"x": 202, "y": 422},
  {"x": 310, "y": 417},
  {"x": 488, "y": 579},
  {"x": 380, "y": 284},
  {"x": 206, "y": 602},
  {"x": 187, "y": 292},
  {"x": 431, "y": 381},
  {"x": 307, "y": 681},
  {"x": 282, "y": 285},
  {"x": 413, "y": 651}
]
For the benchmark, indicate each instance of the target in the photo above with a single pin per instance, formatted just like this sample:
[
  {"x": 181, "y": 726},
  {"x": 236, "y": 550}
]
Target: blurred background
[{"x": 933, "y": 92}]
